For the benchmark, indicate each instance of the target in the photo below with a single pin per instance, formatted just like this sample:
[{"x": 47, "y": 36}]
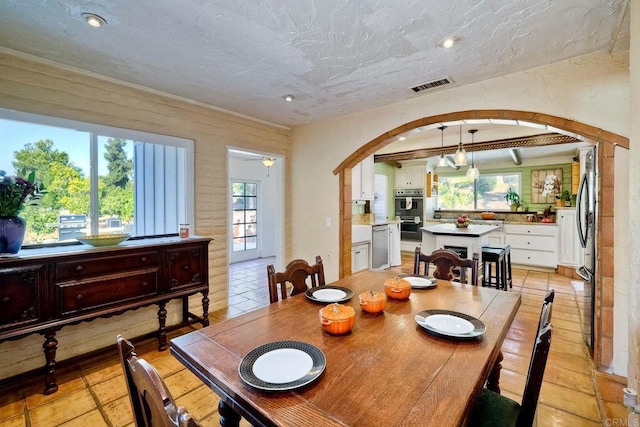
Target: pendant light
[
  {"x": 442, "y": 162},
  {"x": 460, "y": 158},
  {"x": 473, "y": 171}
]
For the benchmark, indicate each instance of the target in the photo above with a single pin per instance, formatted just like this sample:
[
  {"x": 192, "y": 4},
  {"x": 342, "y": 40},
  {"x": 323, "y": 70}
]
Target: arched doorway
[{"x": 607, "y": 141}]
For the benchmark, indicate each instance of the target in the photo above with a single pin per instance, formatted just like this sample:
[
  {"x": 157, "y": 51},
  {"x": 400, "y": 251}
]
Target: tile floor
[{"x": 93, "y": 392}]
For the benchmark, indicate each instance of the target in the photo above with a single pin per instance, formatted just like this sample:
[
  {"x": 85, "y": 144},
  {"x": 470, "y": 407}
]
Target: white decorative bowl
[{"x": 104, "y": 239}]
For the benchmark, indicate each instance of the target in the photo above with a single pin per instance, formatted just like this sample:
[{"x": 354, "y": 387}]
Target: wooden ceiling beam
[{"x": 528, "y": 141}]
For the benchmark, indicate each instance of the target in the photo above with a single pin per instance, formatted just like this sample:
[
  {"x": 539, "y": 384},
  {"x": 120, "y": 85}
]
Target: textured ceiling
[{"x": 335, "y": 56}]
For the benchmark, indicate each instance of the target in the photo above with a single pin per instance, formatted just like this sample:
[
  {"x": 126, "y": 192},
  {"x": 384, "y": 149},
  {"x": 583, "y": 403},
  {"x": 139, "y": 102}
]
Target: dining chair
[
  {"x": 495, "y": 410},
  {"x": 150, "y": 399},
  {"x": 295, "y": 274},
  {"x": 444, "y": 261}
]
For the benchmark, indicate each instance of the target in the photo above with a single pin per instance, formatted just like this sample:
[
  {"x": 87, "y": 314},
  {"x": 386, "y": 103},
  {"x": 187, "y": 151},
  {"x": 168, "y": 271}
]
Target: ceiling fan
[{"x": 267, "y": 161}]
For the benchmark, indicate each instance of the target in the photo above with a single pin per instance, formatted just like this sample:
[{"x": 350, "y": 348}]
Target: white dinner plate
[
  {"x": 420, "y": 282},
  {"x": 422, "y": 319},
  {"x": 448, "y": 324},
  {"x": 282, "y": 365},
  {"x": 326, "y": 294},
  {"x": 329, "y": 295}
]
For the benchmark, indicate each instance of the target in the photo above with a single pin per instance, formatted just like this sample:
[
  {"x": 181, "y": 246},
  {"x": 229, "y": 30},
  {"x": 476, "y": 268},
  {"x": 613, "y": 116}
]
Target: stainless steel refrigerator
[{"x": 586, "y": 208}]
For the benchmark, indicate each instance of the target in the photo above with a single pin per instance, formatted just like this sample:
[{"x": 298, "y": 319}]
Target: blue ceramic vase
[{"x": 12, "y": 231}]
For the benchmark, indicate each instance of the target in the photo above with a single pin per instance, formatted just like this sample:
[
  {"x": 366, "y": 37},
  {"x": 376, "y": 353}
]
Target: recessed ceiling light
[
  {"x": 288, "y": 98},
  {"x": 94, "y": 20},
  {"x": 402, "y": 138},
  {"x": 448, "y": 42}
]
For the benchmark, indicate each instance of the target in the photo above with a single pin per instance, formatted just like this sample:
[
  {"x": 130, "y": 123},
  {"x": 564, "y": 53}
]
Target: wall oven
[{"x": 409, "y": 207}]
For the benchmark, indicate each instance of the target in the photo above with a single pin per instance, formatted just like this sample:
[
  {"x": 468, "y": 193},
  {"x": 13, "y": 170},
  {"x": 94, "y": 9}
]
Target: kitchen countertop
[
  {"x": 474, "y": 230},
  {"x": 378, "y": 222}
]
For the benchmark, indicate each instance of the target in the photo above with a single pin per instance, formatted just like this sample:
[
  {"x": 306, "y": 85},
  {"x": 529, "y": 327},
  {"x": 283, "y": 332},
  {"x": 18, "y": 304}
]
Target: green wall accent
[
  {"x": 525, "y": 191},
  {"x": 390, "y": 171}
]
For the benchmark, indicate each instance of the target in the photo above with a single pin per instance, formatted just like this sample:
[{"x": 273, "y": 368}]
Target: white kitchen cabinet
[
  {"x": 395, "y": 258},
  {"x": 535, "y": 245},
  {"x": 360, "y": 257},
  {"x": 408, "y": 177},
  {"x": 569, "y": 249},
  {"x": 362, "y": 180},
  {"x": 495, "y": 238}
]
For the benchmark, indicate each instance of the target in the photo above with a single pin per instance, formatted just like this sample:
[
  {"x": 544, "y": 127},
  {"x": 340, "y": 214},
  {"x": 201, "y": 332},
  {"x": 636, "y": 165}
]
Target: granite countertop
[
  {"x": 473, "y": 230},
  {"x": 378, "y": 222}
]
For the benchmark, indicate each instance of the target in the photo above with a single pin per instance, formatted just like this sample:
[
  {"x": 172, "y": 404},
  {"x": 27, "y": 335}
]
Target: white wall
[{"x": 593, "y": 89}]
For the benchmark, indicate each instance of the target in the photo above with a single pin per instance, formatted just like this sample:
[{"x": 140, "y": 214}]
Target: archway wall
[{"x": 588, "y": 95}]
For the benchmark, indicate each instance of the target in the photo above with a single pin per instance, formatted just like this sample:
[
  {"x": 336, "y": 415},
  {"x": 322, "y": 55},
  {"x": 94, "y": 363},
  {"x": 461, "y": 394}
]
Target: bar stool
[
  {"x": 507, "y": 258},
  {"x": 491, "y": 256}
]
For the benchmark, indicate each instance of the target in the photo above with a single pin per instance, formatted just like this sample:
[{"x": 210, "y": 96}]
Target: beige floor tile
[
  {"x": 547, "y": 416},
  {"x": 93, "y": 419},
  {"x": 119, "y": 412},
  {"x": 570, "y": 379},
  {"x": 67, "y": 384},
  {"x": 569, "y": 336},
  {"x": 168, "y": 365},
  {"x": 610, "y": 387},
  {"x": 98, "y": 372},
  {"x": 182, "y": 382},
  {"x": 511, "y": 381},
  {"x": 17, "y": 421},
  {"x": 516, "y": 363},
  {"x": 521, "y": 348},
  {"x": 11, "y": 403},
  {"x": 570, "y": 362},
  {"x": 569, "y": 400},
  {"x": 110, "y": 390},
  {"x": 615, "y": 413},
  {"x": 62, "y": 410},
  {"x": 200, "y": 403}
]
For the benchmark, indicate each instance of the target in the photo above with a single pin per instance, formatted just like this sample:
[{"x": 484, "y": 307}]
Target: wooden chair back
[
  {"x": 299, "y": 274},
  {"x": 444, "y": 261},
  {"x": 535, "y": 376},
  {"x": 545, "y": 313},
  {"x": 152, "y": 404}
]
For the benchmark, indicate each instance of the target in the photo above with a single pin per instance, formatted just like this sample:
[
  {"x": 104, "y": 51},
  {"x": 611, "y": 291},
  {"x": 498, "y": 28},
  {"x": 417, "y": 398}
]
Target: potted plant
[
  {"x": 513, "y": 199},
  {"x": 16, "y": 193},
  {"x": 566, "y": 198}
]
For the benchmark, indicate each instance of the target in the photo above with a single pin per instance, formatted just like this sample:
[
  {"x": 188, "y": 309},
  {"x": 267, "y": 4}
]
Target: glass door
[{"x": 244, "y": 221}]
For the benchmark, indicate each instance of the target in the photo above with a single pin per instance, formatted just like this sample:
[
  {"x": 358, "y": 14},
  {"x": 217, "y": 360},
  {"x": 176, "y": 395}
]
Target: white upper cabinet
[
  {"x": 362, "y": 180},
  {"x": 410, "y": 177}
]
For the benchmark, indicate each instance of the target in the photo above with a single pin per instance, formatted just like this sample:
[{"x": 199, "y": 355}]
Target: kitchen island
[{"x": 464, "y": 241}]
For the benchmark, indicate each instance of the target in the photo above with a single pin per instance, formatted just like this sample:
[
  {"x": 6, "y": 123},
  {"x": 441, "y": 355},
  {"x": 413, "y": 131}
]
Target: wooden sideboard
[{"x": 42, "y": 290}]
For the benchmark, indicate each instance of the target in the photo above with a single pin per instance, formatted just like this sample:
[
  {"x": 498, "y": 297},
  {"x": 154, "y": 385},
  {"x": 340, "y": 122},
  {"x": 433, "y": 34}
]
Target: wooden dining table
[{"x": 387, "y": 371}]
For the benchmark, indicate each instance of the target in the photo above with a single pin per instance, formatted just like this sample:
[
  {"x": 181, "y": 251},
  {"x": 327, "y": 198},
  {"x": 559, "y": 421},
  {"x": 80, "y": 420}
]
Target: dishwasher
[{"x": 380, "y": 247}]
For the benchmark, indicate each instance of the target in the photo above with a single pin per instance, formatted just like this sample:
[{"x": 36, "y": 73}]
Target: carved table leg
[
  {"x": 50, "y": 347},
  {"x": 205, "y": 308},
  {"x": 162, "y": 320},
  {"x": 493, "y": 383},
  {"x": 228, "y": 417}
]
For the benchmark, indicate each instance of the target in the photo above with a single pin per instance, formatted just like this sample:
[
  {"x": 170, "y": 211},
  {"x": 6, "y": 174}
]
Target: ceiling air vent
[{"x": 431, "y": 85}]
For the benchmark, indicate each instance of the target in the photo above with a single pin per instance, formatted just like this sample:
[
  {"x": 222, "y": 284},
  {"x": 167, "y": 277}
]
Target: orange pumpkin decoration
[
  {"x": 373, "y": 302},
  {"x": 397, "y": 288},
  {"x": 337, "y": 319}
]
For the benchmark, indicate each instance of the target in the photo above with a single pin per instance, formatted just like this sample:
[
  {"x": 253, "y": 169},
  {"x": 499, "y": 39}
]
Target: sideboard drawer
[
  {"x": 74, "y": 298},
  {"x": 19, "y": 296},
  {"x": 186, "y": 268},
  {"x": 81, "y": 268}
]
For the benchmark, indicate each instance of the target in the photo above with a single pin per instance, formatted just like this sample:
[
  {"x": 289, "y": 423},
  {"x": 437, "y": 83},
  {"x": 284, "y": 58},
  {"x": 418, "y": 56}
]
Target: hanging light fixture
[
  {"x": 268, "y": 162},
  {"x": 442, "y": 162},
  {"x": 473, "y": 171},
  {"x": 460, "y": 158}
]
